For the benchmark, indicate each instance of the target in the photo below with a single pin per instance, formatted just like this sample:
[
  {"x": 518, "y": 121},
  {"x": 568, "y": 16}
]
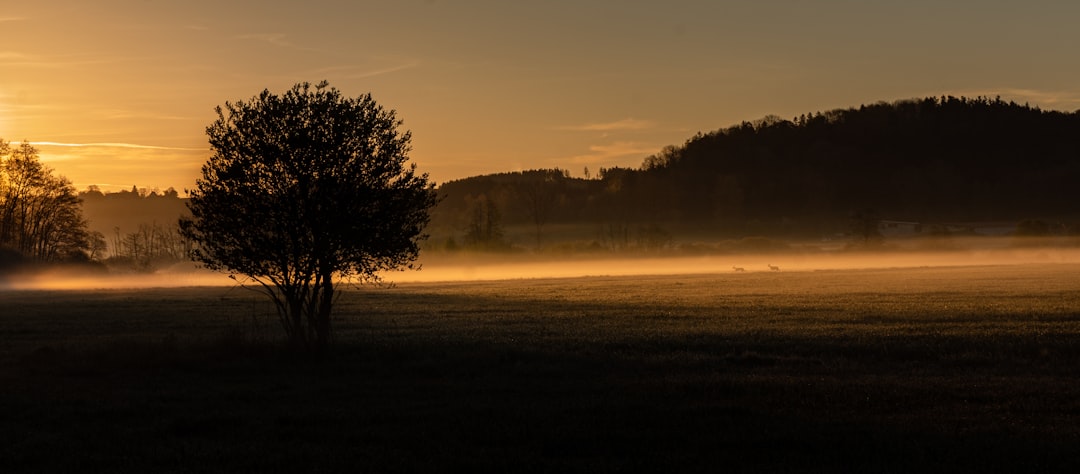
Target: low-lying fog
[
  {"x": 744, "y": 263},
  {"x": 466, "y": 267}
]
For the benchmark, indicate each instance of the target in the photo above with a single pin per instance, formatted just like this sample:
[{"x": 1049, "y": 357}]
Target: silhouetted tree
[
  {"x": 614, "y": 236},
  {"x": 539, "y": 197},
  {"x": 653, "y": 237},
  {"x": 302, "y": 188},
  {"x": 150, "y": 246},
  {"x": 96, "y": 245},
  {"x": 485, "y": 226},
  {"x": 864, "y": 228},
  {"x": 40, "y": 217}
]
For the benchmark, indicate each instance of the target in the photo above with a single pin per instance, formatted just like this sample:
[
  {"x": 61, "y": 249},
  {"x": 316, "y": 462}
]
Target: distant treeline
[
  {"x": 40, "y": 218},
  {"x": 928, "y": 160},
  {"x": 140, "y": 225},
  {"x": 932, "y": 160}
]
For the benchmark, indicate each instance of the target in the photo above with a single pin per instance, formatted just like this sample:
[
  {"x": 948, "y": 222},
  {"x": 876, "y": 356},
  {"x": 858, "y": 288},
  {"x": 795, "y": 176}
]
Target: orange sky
[{"x": 118, "y": 93}]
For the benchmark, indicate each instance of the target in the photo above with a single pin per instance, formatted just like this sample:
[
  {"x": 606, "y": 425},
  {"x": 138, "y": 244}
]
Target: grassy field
[{"x": 942, "y": 369}]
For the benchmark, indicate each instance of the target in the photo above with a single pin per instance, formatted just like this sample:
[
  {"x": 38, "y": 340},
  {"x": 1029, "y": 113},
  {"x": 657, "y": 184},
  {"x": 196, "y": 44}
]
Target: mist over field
[
  {"x": 463, "y": 267},
  {"x": 922, "y": 369},
  {"x": 711, "y": 205},
  {"x": 886, "y": 286},
  {"x": 493, "y": 268}
]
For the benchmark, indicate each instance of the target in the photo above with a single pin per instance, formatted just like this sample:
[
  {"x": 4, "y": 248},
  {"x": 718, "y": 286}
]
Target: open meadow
[{"x": 967, "y": 368}]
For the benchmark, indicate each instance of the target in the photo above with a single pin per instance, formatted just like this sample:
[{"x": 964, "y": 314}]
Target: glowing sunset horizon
[{"x": 120, "y": 95}]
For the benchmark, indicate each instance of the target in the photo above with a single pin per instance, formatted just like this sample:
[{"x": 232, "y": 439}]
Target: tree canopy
[
  {"x": 40, "y": 217},
  {"x": 304, "y": 188}
]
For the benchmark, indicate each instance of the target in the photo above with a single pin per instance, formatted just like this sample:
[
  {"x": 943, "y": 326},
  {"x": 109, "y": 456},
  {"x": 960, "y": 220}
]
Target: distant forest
[
  {"x": 931, "y": 165},
  {"x": 944, "y": 159},
  {"x": 138, "y": 226},
  {"x": 929, "y": 161}
]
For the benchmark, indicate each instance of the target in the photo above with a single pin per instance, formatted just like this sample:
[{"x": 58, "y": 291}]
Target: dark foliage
[
  {"x": 303, "y": 188},
  {"x": 944, "y": 158},
  {"x": 40, "y": 217},
  {"x": 485, "y": 227},
  {"x": 932, "y": 159}
]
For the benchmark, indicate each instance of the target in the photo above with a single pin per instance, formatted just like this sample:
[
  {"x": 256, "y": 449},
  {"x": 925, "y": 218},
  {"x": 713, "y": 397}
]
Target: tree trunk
[
  {"x": 326, "y": 301},
  {"x": 296, "y": 319}
]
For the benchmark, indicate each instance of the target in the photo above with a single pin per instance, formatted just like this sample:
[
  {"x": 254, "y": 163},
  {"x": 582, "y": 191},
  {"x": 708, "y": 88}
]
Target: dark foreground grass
[{"x": 919, "y": 370}]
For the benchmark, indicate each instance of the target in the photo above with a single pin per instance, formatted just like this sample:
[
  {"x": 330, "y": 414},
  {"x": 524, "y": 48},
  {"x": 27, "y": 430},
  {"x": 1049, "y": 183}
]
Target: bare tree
[
  {"x": 40, "y": 214},
  {"x": 540, "y": 195},
  {"x": 484, "y": 230}
]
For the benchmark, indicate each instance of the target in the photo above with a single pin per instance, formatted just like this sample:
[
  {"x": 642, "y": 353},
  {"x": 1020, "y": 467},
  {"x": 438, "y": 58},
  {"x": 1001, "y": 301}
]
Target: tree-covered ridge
[{"x": 932, "y": 159}]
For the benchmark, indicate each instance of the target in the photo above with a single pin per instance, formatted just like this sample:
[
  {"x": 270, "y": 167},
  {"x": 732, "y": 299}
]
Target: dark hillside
[
  {"x": 948, "y": 158},
  {"x": 931, "y": 160}
]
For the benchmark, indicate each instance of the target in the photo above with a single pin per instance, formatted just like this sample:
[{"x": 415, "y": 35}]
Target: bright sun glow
[{"x": 481, "y": 101}]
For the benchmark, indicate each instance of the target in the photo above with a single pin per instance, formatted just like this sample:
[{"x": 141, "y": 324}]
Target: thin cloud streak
[
  {"x": 1050, "y": 99},
  {"x": 114, "y": 145},
  {"x": 276, "y": 39},
  {"x": 17, "y": 59},
  {"x": 617, "y": 151},
  {"x": 128, "y": 115},
  {"x": 388, "y": 70},
  {"x": 357, "y": 72},
  {"x": 103, "y": 164},
  {"x": 626, "y": 124}
]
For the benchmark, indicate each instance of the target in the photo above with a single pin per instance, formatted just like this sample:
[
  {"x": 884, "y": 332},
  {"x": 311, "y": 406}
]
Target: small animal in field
[
  {"x": 773, "y": 267},
  {"x": 738, "y": 269}
]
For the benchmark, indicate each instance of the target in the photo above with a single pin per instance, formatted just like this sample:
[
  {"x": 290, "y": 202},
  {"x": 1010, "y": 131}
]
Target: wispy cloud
[
  {"x": 361, "y": 72},
  {"x": 621, "y": 152},
  {"x": 5, "y": 19},
  {"x": 618, "y": 125},
  {"x": 1048, "y": 98},
  {"x": 114, "y": 145},
  {"x": 103, "y": 163},
  {"x": 1042, "y": 98},
  {"x": 386, "y": 70},
  {"x": 276, "y": 39},
  {"x": 15, "y": 58},
  {"x": 122, "y": 114}
]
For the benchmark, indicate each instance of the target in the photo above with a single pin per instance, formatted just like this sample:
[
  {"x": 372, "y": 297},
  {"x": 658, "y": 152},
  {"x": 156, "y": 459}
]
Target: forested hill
[
  {"x": 932, "y": 159},
  {"x": 946, "y": 157}
]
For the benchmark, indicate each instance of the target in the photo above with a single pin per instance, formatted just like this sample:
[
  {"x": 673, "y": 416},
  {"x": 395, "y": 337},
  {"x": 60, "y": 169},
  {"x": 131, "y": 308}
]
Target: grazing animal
[
  {"x": 773, "y": 267},
  {"x": 738, "y": 269}
]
